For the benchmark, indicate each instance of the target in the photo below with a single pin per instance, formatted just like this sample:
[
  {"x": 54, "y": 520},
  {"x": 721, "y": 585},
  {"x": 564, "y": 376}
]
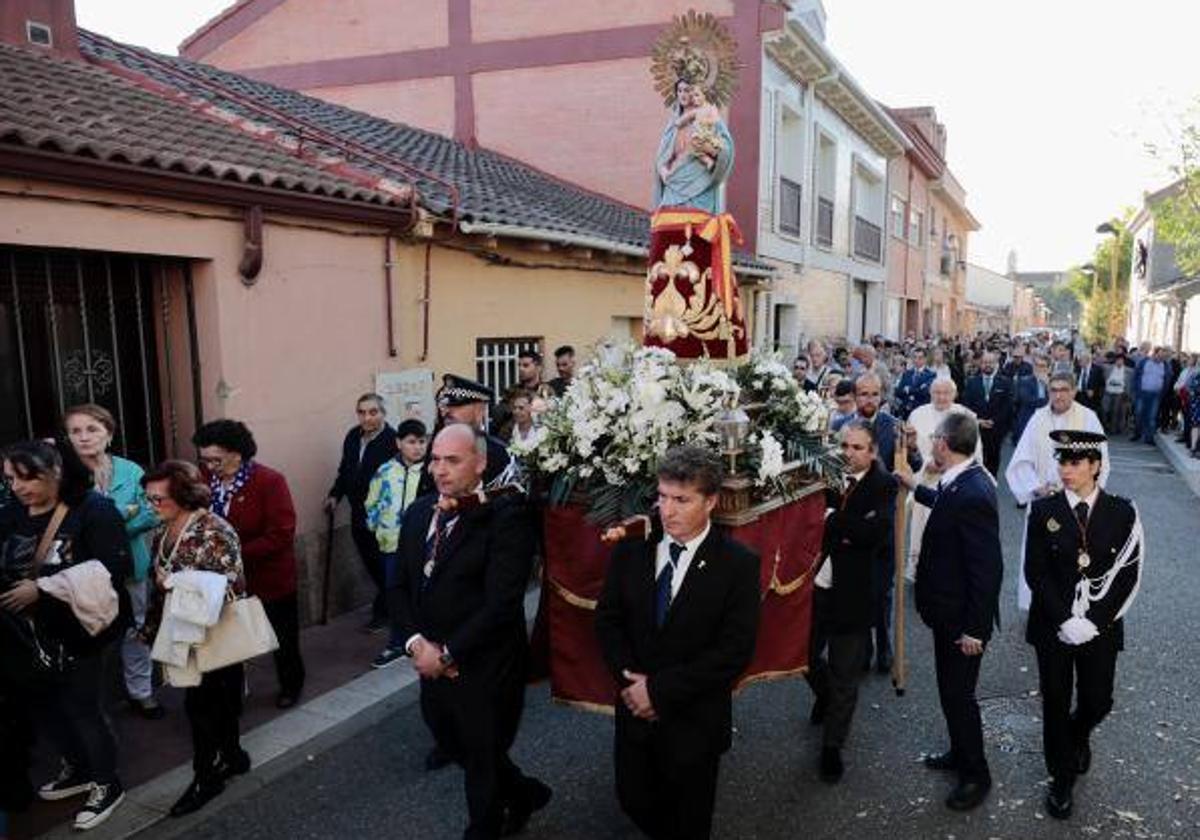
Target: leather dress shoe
[
  {"x": 1059, "y": 800},
  {"x": 535, "y": 795},
  {"x": 941, "y": 761},
  {"x": 197, "y": 795},
  {"x": 237, "y": 764},
  {"x": 287, "y": 699},
  {"x": 1083, "y": 757},
  {"x": 436, "y": 759},
  {"x": 967, "y": 795},
  {"x": 831, "y": 768}
]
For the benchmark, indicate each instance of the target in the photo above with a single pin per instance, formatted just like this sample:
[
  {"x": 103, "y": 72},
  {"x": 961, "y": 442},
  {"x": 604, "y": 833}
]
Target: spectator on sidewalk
[
  {"x": 1118, "y": 382},
  {"x": 58, "y": 522},
  {"x": 366, "y": 448},
  {"x": 196, "y": 539},
  {"x": 800, "y": 369},
  {"x": 564, "y": 363},
  {"x": 91, "y": 428},
  {"x": 392, "y": 490},
  {"x": 256, "y": 501},
  {"x": 913, "y": 388},
  {"x": 844, "y": 405},
  {"x": 522, "y": 415},
  {"x": 989, "y": 395},
  {"x": 1182, "y": 396},
  {"x": 1089, "y": 381},
  {"x": 1150, "y": 381}
]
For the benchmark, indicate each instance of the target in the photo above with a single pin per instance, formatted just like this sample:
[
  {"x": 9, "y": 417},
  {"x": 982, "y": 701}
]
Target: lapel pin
[{"x": 1052, "y": 525}]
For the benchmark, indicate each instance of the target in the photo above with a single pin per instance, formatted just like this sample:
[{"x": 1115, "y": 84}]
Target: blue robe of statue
[{"x": 692, "y": 184}]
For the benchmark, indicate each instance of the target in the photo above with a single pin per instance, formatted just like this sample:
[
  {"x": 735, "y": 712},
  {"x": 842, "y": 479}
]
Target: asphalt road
[{"x": 1144, "y": 782}]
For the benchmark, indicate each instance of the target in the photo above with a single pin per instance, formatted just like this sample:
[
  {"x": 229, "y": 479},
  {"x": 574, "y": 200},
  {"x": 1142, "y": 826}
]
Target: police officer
[
  {"x": 1083, "y": 564},
  {"x": 463, "y": 400}
]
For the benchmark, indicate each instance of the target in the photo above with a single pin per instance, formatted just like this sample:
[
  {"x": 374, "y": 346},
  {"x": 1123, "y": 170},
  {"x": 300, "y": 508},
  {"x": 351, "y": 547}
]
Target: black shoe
[
  {"x": 1059, "y": 800},
  {"x": 286, "y": 699},
  {"x": 101, "y": 802},
  {"x": 236, "y": 765},
  {"x": 436, "y": 759},
  {"x": 535, "y": 795},
  {"x": 197, "y": 795},
  {"x": 148, "y": 708},
  {"x": 70, "y": 782},
  {"x": 831, "y": 768},
  {"x": 940, "y": 761},
  {"x": 817, "y": 716},
  {"x": 967, "y": 795},
  {"x": 1083, "y": 757},
  {"x": 375, "y": 625}
]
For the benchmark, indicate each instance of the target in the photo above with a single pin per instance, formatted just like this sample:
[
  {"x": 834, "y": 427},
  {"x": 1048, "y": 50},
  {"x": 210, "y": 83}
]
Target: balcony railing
[
  {"x": 868, "y": 240},
  {"x": 824, "y": 234}
]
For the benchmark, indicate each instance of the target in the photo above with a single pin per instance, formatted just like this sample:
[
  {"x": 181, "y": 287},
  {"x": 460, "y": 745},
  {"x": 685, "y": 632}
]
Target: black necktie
[
  {"x": 662, "y": 587},
  {"x": 1081, "y": 513},
  {"x": 433, "y": 543}
]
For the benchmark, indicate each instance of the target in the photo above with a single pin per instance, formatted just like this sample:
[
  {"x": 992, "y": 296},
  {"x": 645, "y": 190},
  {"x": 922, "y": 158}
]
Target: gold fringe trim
[
  {"x": 769, "y": 676},
  {"x": 584, "y": 705},
  {"x": 570, "y": 597},
  {"x": 784, "y": 589}
]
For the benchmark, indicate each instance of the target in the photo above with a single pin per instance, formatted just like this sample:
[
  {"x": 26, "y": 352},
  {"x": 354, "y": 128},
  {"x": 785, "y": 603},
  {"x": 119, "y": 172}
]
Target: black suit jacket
[
  {"x": 474, "y": 601},
  {"x": 1093, "y": 389},
  {"x": 997, "y": 407},
  {"x": 1051, "y": 563},
  {"x": 694, "y": 660},
  {"x": 961, "y": 565},
  {"x": 354, "y": 475},
  {"x": 856, "y": 531}
]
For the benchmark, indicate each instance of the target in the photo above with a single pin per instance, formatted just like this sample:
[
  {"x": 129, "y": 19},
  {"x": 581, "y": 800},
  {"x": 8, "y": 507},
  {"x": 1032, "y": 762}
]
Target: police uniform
[
  {"x": 1083, "y": 564},
  {"x": 501, "y": 468}
]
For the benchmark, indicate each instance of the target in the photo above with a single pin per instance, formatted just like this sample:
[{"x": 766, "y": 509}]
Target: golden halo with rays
[{"x": 700, "y": 50}]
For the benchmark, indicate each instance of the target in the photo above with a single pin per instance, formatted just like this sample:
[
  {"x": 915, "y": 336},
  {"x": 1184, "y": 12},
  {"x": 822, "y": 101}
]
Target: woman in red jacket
[{"x": 256, "y": 501}]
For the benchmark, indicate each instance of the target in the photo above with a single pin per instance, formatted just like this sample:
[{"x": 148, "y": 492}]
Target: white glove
[{"x": 1077, "y": 631}]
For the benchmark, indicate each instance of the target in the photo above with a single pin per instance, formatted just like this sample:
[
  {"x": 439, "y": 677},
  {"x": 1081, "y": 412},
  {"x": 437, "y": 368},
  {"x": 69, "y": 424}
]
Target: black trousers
[
  {"x": 991, "y": 440},
  {"x": 667, "y": 798},
  {"x": 368, "y": 550},
  {"x": 885, "y": 585},
  {"x": 957, "y": 677},
  {"x": 476, "y": 724},
  {"x": 1086, "y": 671},
  {"x": 69, "y": 709},
  {"x": 213, "y": 709},
  {"x": 284, "y": 615},
  {"x": 834, "y": 677}
]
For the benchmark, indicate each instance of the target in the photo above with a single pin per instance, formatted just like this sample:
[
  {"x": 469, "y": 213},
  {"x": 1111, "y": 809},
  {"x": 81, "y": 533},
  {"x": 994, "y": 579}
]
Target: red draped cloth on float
[
  {"x": 692, "y": 302},
  {"x": 787, "y": 540}
]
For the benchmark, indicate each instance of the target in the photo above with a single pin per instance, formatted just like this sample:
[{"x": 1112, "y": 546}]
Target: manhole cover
[{"x": 1013, "y": 724}]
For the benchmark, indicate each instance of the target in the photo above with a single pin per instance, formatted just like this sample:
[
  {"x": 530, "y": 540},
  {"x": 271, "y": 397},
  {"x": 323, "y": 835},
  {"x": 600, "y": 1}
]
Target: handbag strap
[{"x": 43, "y": 549}]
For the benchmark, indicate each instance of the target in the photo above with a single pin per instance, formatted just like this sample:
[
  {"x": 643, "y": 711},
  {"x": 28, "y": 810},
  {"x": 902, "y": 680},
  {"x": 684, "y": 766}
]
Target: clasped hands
[
  {"x": 1077, "y": 630},
  {"x": 427, "y": 660},
  {"x": 636, "y": 696},
  {"x": 969, "y": 645}
]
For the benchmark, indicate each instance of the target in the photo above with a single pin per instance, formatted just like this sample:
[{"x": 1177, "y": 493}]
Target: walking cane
[
  {"x": 900, "y": 550},
  {"x": 328, "y": 567}
]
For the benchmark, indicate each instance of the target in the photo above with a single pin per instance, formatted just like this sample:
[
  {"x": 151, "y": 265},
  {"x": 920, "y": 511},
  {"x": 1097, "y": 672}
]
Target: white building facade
[{"x": 1164, "y": 304}]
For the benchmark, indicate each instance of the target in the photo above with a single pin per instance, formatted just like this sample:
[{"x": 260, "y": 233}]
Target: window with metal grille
[
  {"x": 496, "y": 360},
  {"x": 789, "y": 206}
]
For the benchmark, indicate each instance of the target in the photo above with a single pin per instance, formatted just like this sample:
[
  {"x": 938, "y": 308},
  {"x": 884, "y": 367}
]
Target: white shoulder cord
[{"x": 1089, "y": 590}]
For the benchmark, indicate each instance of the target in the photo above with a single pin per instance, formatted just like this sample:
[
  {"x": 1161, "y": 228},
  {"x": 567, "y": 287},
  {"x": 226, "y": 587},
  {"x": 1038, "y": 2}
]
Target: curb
[
  {"x": 1180, "y": 459},
  {"x": 276, "y": 748}
]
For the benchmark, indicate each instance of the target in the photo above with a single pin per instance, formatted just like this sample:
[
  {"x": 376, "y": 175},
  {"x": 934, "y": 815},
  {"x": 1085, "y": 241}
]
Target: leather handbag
[{"x": 243, "y": 632}]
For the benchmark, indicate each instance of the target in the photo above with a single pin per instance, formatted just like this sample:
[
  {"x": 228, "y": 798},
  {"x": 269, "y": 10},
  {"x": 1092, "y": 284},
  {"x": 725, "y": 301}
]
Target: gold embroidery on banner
[
  {"x": 671, "y": 316},
  {"x": 570, "y": 597}
]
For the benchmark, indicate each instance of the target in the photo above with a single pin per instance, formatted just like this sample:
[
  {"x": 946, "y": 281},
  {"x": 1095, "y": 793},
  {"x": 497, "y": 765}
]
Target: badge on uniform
[{"x": 1052, "y": 525}]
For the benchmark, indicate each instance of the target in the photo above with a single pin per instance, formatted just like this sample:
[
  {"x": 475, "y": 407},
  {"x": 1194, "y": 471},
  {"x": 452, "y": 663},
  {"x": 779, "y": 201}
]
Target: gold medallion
[
  {"x": 1052, "y": 525},
  {"x": 1084, "y": 561}
]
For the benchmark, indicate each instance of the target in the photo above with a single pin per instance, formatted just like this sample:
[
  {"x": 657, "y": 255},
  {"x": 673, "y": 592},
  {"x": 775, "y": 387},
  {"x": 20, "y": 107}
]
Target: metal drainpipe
[
  {"x": 426, "y": 301},
  {"x": 387, "y": 281}
]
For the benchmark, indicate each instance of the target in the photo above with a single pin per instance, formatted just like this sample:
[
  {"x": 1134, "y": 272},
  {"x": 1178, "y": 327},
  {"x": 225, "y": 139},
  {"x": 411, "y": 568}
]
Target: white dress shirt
[{"x": 663, "y": 556}]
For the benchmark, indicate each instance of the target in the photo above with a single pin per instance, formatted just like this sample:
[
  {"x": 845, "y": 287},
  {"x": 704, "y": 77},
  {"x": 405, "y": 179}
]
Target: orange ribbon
[{"x": 720, "y": 231}]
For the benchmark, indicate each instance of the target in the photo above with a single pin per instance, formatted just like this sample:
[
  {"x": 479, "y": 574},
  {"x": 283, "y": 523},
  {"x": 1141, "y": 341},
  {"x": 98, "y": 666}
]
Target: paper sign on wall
[{"x": 408, "y": 394}]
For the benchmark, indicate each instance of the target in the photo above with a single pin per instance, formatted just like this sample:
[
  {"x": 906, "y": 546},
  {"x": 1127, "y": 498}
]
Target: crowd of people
[{"x": 93, "y": 545}]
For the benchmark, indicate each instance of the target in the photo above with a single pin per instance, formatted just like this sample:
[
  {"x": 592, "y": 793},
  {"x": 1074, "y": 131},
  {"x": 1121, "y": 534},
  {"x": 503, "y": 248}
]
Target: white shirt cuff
[{"x": 408, "y": 645}]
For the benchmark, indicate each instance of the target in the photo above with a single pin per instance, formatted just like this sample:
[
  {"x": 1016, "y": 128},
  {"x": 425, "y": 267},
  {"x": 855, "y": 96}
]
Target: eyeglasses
[
  {"x": 211, "y": 461},
  {"x": 156, "y": 500}
]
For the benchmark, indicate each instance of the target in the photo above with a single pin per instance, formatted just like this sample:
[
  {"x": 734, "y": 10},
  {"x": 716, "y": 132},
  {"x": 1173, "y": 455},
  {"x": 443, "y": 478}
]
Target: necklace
[
  {"x": 1084, "y": 560},
  {"x": 165, "y": 561}
]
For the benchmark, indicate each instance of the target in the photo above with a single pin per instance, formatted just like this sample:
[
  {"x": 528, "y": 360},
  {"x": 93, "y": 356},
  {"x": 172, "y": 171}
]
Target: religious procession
[{"x": 377, "y": 462}]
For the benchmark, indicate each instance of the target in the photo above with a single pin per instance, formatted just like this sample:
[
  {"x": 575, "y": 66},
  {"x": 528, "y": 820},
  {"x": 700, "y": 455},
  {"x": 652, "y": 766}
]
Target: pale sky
[{"x": 1048, "y": 104}]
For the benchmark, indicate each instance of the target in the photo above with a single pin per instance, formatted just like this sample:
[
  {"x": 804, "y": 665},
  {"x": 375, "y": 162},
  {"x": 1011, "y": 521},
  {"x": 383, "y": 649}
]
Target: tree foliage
[{"x": 1105, "y": 304}]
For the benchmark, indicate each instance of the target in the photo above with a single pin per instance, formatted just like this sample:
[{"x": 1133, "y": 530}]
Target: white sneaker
[
  {"x": 70, "y": 782},
  {"x": 101, "y": 802}
]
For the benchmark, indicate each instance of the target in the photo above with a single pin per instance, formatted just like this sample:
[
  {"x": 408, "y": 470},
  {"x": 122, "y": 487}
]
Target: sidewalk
[
  {"x": 155, "y": 756},
  {"x": 1180, "y": 457}
]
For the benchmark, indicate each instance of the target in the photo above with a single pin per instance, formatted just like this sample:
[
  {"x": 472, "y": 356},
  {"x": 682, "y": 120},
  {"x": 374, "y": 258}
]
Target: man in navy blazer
[
  {"x": 677, "y": 622},
  {"x": 989, "y": 394},
  {"x": 958, "y": 595},
  {"x": 912, "y": 391}
]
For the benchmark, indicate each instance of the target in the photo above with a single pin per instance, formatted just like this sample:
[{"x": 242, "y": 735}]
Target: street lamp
[
  {"x": 1090, "y": 270},
  {"x": 1115, "y": 230}
]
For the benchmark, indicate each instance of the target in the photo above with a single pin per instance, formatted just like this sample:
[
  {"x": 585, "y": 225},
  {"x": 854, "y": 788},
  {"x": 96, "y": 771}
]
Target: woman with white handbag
[{"x": 194, "y": 539}]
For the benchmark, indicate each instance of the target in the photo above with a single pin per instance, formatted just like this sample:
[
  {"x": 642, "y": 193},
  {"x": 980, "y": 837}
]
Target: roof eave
[{"x": 85, "y": 172}]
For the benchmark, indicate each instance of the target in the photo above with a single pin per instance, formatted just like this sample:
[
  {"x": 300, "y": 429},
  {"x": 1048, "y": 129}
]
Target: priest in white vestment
[
  {"x": 925, "y": 420},
  {"x": 1032, "y": 471}
]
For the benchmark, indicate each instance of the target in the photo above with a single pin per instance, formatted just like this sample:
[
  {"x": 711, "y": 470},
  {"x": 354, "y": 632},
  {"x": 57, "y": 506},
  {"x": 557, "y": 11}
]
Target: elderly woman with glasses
[{"x": 194, "y": 538}]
